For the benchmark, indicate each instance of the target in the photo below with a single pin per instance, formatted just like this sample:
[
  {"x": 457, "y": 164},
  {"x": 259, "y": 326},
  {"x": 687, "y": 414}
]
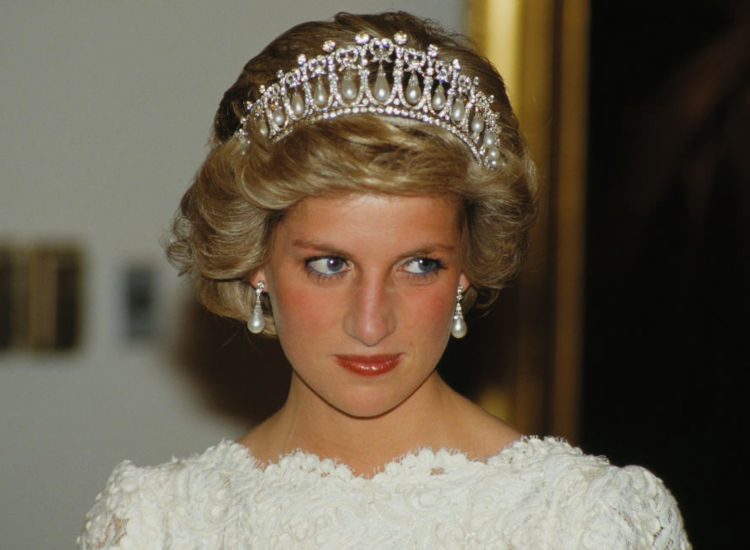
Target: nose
[{"x": 370, "y": 315}]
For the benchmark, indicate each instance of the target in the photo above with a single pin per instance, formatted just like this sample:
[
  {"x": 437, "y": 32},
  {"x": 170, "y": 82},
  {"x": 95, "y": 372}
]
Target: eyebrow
[{"x": 326, "y": 248}]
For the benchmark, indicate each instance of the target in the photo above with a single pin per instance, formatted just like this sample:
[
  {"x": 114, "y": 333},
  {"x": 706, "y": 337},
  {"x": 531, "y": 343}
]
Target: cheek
[
  {"x": 430, "y": 310},
  {"x": 302, "y": 313}
]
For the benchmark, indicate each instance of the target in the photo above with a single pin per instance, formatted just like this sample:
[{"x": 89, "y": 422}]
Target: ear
[
  {"x": 464, "y": 281},
  {"x": 257, "y": 277}
]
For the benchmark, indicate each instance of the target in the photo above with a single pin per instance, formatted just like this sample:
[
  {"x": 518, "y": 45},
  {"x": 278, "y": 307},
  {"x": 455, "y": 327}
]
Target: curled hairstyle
[{"x": 223, "y": 230}]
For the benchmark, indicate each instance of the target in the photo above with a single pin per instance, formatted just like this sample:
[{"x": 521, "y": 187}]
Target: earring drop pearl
[
  {"x": 459, "y": 326},
  {"x": 458, "y": 329},
  {"x": 257, "y": 323}
]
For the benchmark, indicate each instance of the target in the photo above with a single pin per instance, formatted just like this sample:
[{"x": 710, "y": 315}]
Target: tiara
[{"x": 337, "y": 83}]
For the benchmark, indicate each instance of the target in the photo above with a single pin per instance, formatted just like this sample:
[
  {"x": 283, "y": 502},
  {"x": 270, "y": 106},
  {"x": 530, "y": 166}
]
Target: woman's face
[{"x": 363, "y": 290}]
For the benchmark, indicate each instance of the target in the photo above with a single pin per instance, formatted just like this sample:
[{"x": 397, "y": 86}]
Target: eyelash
[
  {"x": 436, "y": 264},
  {"x": 312, "y": 272}
]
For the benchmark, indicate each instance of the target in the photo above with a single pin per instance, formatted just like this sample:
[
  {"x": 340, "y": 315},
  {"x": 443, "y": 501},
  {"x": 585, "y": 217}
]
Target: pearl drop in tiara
[{"x": 337, "y": 84}]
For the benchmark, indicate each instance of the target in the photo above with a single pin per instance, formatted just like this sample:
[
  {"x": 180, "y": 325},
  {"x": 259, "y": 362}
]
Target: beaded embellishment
[{"x": 336, "y": 83}]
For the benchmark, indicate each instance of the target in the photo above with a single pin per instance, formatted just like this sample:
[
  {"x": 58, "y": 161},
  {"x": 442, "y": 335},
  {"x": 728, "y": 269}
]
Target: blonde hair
[{"x": 222, "y": 233}]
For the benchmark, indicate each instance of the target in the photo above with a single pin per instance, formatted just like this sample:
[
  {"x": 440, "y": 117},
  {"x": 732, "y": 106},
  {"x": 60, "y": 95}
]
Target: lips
[{"x": 369, "y": 365}]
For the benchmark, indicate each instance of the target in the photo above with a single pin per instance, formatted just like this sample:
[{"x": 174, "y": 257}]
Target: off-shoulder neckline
[{"x": 423, "y": 458}]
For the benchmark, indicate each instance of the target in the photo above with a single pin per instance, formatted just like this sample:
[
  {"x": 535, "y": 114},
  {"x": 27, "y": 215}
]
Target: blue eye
[
  {"x": 327, "y": 265},
  {"x": 422, "y": 266}
]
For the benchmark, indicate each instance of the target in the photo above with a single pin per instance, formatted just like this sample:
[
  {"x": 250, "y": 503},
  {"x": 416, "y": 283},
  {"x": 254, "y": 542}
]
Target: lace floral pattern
[{"x": 535, "y": 494}]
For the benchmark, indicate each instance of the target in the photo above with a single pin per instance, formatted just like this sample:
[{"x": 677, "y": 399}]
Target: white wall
[{"x": 105, "y": 108}]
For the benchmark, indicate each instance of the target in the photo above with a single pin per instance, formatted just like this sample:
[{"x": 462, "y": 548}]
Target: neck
[{"x": 426, "y": 419}]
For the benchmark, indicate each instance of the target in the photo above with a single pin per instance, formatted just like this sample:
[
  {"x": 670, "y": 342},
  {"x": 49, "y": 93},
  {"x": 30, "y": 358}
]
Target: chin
[{"x": 367, "y": 405}]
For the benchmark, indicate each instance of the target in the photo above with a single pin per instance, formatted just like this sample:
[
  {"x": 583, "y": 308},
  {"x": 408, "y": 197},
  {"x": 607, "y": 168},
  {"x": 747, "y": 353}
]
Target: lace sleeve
[
  {"x": 632, "y": 509},
  {"x": 125, "y": 515}
]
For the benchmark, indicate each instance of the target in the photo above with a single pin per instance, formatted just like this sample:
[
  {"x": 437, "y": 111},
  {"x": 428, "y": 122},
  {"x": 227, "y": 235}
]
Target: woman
[{"x": 367, "y": 183}]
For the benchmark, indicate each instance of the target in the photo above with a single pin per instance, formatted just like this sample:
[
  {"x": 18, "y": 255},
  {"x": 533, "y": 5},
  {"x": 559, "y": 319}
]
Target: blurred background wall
[{"x": 106, "y": 109}]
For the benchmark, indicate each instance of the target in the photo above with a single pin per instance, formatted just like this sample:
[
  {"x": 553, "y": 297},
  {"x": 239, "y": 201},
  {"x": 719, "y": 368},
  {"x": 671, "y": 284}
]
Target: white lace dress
[{"x": 535, "y": 494}]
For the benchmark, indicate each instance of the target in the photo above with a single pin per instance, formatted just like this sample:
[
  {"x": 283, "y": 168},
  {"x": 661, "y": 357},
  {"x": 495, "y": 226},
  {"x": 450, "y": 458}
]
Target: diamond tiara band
[{"x": 337, "y": 84}]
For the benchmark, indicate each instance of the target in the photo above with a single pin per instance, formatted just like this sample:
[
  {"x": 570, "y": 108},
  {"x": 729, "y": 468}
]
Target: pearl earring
[
  {"x": 257, "y": 323},
  {"x": 458, "y": 330}
]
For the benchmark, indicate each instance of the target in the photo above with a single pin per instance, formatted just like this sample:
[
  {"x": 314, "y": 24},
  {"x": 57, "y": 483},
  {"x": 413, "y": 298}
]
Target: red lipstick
[{"x": 369, "y": 365}]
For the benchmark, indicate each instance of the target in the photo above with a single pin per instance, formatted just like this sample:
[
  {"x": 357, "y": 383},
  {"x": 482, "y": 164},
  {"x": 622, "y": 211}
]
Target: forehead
[{"x": 372, "y": 217}]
